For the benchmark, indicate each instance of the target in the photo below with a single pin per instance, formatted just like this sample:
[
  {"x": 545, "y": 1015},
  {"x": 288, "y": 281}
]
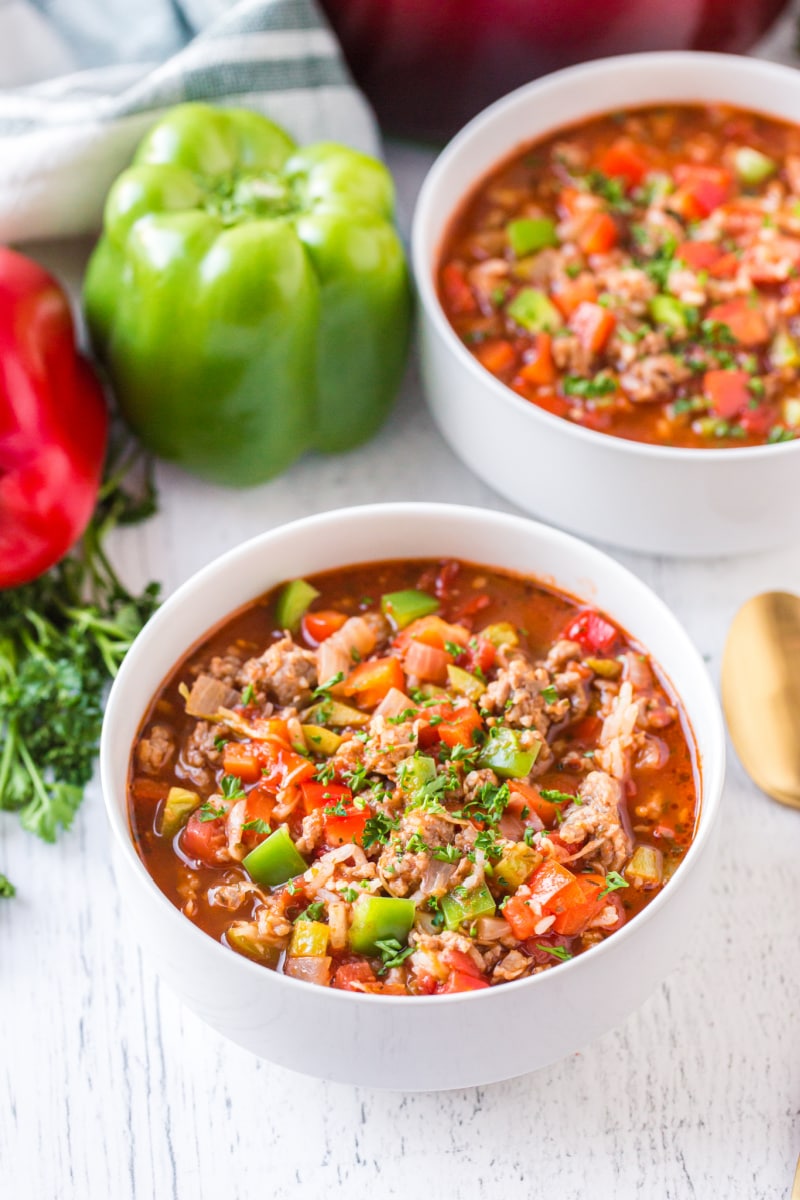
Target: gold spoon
[
  {"x": 761, "y": 693},
  {"x": 796, "y": 1185}
]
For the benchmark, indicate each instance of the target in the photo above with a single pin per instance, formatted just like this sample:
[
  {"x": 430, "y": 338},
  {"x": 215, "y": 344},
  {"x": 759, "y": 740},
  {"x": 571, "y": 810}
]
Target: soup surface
[
  {"x": 639, "y": 274},
  {"x": 413, "y": 778}
]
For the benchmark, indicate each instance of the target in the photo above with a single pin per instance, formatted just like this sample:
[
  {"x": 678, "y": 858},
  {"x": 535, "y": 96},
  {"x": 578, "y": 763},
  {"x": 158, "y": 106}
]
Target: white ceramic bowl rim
[
  {"x": 430, "y": 202},
  {"x": 711, "y": 767}
]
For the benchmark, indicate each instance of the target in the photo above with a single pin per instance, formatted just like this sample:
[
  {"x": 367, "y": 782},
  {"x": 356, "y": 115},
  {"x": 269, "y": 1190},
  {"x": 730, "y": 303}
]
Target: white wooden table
[{"x": 110, "y": 1090}]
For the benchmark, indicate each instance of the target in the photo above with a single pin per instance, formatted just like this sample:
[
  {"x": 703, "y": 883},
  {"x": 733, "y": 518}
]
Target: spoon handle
[{"x": 796, "y": 1185}]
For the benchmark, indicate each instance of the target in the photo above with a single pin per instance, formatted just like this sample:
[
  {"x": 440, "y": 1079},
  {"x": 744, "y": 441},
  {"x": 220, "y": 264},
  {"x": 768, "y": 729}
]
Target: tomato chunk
[
  {"x": 457, "y": 291},
  {"x": 344, "y": 828},
  {"x": 727, "y": 392},
  {"x": 459, "y": 981},
  {"x": 320, "y": 795},
  {"x": 701, "y": 189},
  {"x": 745, "y": 319},
  {"x": 572, "y": 293},
  {"x": 204, "y": 840},
  {"x": 317, "y": 627},
  {"x": 496, "y": 356},
  {"x": 578, "y": 904},
  {"x": 698, "y": 256},
  {"x": 241, "y": 760},
  {"x": 625, "y": 160}
]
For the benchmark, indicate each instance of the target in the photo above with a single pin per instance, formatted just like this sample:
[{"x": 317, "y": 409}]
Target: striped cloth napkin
[{"x": 63, "y": 139}]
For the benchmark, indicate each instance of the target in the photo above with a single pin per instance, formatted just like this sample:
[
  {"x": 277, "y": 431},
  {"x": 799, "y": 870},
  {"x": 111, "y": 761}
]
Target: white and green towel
[{"x": 90, "y": 76}]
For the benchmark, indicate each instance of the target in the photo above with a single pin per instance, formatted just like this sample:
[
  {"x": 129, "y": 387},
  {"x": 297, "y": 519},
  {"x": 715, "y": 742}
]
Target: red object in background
[
  {"x": 428, "y": 66},
  {"x": 53, "y": 424}
]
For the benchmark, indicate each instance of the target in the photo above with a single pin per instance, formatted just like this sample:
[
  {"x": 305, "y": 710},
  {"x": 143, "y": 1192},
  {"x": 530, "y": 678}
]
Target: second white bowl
[{"x": 651, "y": 498}]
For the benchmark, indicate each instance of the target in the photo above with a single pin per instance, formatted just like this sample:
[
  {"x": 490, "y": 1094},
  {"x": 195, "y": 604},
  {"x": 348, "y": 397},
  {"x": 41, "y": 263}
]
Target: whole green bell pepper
[{"x": 249, "y": 299}]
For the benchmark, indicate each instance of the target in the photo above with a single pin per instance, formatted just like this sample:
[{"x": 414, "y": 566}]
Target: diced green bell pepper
[
  {"x": 459, "y": 906},
  {"x": 407, "y": 606},
  {"x": 752, "y": 166},
  {"x": 516, "y": 865},
  {"x": 532, "y": 310},
  {"x": 333, "y": 712},
  {"x": 377, "y": 918},
  {"x": 504, "y": 754},
  {"x": 179, "y": 803},
  {"x": 673, "y": 314},
  {"x": 248, "y": 298},
  {"x": 465, "y": 684},
  {"x": 416, "y": 771},
  {"x": 275, "y": 861},
  {"x": 321, "y": 740},
  {"x": 292, "y": 603},
  {"x": 530, "y": 234}
]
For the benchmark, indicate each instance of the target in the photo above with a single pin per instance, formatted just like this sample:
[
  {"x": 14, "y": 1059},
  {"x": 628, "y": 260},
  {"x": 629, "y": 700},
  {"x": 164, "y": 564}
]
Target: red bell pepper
[{"x": 53, "y": 424}]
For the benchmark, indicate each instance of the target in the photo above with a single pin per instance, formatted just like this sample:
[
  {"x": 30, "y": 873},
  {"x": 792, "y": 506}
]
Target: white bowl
[
  {"x": 410, "y": 1043},
  {"x": 650, "y": 498}
]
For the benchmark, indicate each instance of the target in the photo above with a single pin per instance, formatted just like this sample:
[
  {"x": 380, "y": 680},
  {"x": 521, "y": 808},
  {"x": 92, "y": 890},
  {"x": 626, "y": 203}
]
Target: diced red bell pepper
[
  {"x": 317, "y": 627},
  {"x": 496, "y": 355},
  {"x": 457, "y": 292},
  {"x": 592, "y": 632},
  {"x": 571, "y": 293},
  {"x": 354, "y": 977},
  {"x": 593, "y": 325},
  {"x": 258, "y": 807},
  {"x": 321, "y": 795},
  {"x": 698, "y": 256},
  {"x": 598, "y": 234},
  {"x": 343, "y": 829},
  {"x": 203, "y": 840},
  {"x": 525, "y": 795},
  {"x": 432, "y": 631},
  {"x": 745, "y": 319},
  {"x": 283, "y": 767},
  {"x": 625, "y": 160},
  {"x": 453, "y": 726},
  {"x": 727, "y": 392},
  {"x": 576, "y": 905},
  {"x": 457, "y": 960},
  {"x": 369, "y": 682},
  {"x": 519, "y": 914},
  {"x": 547, "y": 881},
  {"x": 701, "y": 189},
  {"x": 539, "y": 368}
]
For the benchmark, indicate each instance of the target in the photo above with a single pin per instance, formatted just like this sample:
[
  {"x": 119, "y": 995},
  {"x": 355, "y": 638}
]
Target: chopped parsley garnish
[
  {"x": 232, "y": 787},
  {"x": 208, "y": 812},
  {"x": 454, "y": 649},
  {"x": 248, "y": 694},
  {"x": 256, "y": 826},
  {"x": 324, "y": 688},
  {"x": 611, "y": 188},
  {"x": 659, "y": 264},
  {"x": 554, "y": 796},
  {"x": 487, "y": 842},
  {"x": 377, "y": 830},
  {"x": 349, "y": 894},
  {"x": 393, "y": 953},
  {"x": 528, "y": 836},
  {"x": 779, "y": 434},
  {"x": 614, "y": 882},
  {"x": 557, "y": 952},
  {"x": 416, "y": 844},
  {"x": 356, "y": 777},
  {"x": 603, "y": 384},
  {"x": 488, "y": 804},
  {"x": 220, "y": 743},
  {"x": 313, "y": 912},
  {"x": 339, "y": 809},
  {"x": 449, "y": 854},
  {"x": 325, "y": 772},
  {"x": 405, "y": 715},
  {"x": 715, "y": 333},
  {"x": 550, "y": 694}
]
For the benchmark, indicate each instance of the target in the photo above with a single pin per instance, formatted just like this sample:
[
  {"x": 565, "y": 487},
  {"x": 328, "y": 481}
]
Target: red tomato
[
  {"x": 701, "y": 189},
  {"x": 727, "y": 392},
  {"x": 591, "y": 631},
  {"x": 354, "y": 977},
  {"x": 698, "y": 256},
  {"x": 370, "y": 681},
  {"x": 317, "y": 627},
  {"x": 598, "y": 234},
  {"x": 757, "y": 422},
  {"x": 479, "y": 655},
  {"x": 625, "y": 160},
  {"x": 745, "y": 319},
  {"x": 457, "y": 292},
  {"x": 458, "y": 981},
  {"x": 538, "y": 367},
  {"x": 204, "y": 840}
]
